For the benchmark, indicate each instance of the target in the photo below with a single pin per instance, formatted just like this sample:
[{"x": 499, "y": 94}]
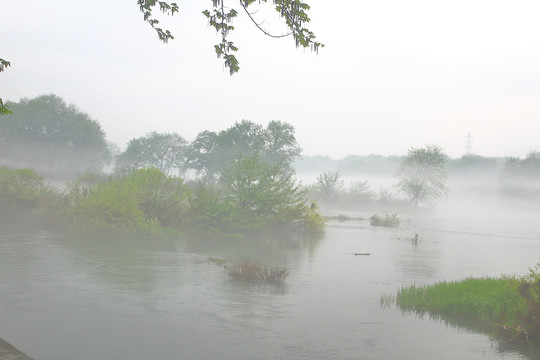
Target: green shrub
[
  {"x": 112, "y": 209},
  {"x": 163, "y": 198},
  {"x": 23, "y": 189}
]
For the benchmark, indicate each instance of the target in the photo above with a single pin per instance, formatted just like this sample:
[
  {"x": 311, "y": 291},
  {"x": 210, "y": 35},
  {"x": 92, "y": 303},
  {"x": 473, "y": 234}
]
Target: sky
[{"x": 393, "y": 75}]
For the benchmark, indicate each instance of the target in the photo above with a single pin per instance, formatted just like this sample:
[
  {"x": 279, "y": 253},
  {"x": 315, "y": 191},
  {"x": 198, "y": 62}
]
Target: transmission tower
[{"x": 468, "y": 143}]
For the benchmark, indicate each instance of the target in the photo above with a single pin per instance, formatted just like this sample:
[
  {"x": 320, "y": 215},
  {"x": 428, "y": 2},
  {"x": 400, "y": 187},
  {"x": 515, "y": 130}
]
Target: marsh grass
[
  {"x": 485, "y": 299},
  {"x": 509, "y": 305},
  {"x": 387, "y": 221},
  {"x": 247, "y": 270}
]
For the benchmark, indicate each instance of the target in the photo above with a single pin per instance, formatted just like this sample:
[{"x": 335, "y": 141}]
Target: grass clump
[
  {"x": 510, "y": 305},
  {"x": 485, "y": 299},
  {"x": 248, "y": 270},
  {"x": 387, "y": 221}
]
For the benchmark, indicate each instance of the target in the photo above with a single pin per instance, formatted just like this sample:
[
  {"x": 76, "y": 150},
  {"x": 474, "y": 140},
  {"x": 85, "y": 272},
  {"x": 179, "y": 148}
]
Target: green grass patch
[
  {"x": 510, "y": 306},
  {"x": 485, "y": 299}
]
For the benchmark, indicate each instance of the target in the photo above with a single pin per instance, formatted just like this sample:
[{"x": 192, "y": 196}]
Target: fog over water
[{"x": 66, "y": 298}]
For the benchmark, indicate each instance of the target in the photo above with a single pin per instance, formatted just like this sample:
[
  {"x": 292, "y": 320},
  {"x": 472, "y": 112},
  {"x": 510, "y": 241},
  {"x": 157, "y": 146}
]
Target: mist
[{"x": 373, "y": 198}]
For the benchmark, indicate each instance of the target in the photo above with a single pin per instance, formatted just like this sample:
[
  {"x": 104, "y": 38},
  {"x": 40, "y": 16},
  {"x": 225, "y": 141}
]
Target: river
[{"x": 64, "y": 298}]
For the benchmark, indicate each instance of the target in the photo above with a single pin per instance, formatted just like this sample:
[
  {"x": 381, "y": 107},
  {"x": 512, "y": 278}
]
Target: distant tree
[
  {"x": 166, "y": 152},
  {"x": 329, "y": 185},
  {"x": 210, "y": 153},
  {"x": 3, "y": 108},
  {"x": 471, "y": 164},
  {"x": 47, "y": 134},
  {"x": 521, "y": 176},
  {"x": 423, "y": 175},
  {"x": 360, "y": 190},
  {"x": 294, "y": 12}
]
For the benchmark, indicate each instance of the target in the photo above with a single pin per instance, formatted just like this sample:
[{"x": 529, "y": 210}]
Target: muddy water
[{"x": 70, "y": 299}]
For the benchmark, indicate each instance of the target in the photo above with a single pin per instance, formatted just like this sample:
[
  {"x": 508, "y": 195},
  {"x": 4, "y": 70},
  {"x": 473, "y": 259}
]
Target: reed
[{"x": 248, "y": 270}]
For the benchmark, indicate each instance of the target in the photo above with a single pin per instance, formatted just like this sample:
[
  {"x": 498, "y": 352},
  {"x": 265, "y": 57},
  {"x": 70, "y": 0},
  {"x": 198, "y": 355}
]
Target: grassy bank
[{"x": 509, "y": 305}]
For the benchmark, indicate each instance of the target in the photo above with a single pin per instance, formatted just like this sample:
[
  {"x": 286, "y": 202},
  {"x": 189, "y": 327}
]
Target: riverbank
[{"x": 10, "y": 352}]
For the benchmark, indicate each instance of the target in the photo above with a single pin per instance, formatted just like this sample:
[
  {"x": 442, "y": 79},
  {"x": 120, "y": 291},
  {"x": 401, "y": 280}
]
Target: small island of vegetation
[{"x": 509, "y": 305}]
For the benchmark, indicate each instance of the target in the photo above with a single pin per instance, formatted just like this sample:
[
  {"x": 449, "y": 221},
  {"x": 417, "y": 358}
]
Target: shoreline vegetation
[
  {"x": 10, "y": 352},
  {"x": 148, "y": 203},
  {"x": 508, "y": 306}
]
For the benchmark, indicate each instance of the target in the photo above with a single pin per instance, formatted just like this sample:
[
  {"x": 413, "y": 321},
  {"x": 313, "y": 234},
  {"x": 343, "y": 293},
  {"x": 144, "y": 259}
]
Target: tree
[
  {"x": 165, "y": 152},
  {"x": 3, "y": 108},
  {"x": 47, "y": 134},
  {"x": 328, "y": 185},
  {"x": 423, "y": 174},
  {"x": 220, "y": 17},
  {"x": 521, "y": 176},
  {"x": 262, "y": 194},
  {"x": 210, "y": 153}
]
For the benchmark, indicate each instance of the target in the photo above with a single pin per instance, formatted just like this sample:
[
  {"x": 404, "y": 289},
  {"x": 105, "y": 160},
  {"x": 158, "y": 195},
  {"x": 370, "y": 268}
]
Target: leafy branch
[
  {"x": 146, "y": 7},
  {"x": 220, "y": 17},
  {"x": 3, "y": 108}
]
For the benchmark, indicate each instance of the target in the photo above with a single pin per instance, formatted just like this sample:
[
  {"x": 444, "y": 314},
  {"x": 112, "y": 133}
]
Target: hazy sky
[{"x": 394, "y": 74}]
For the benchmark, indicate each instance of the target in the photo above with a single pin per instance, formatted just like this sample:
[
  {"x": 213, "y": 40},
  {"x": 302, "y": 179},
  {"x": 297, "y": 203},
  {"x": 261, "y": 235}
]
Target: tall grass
[
  {"x": 485, "y": 299},
  {"x": 248, "y": 270},
  {"x": 387, "y": 221},
  {"x": 510, "y": 305}
]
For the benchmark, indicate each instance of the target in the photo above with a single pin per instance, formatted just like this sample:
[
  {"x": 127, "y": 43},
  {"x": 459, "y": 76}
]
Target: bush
[
  {"x": 23, "y": 189},
  {"x": 387, "y": 221},
  {"x": 129, "y": 204},
  {"x": 163, "y": 198},
  {"x": 112, "y": 209}
]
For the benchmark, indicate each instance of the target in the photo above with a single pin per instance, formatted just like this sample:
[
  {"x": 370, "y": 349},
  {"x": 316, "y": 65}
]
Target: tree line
[{"x": 243, "y": 181}]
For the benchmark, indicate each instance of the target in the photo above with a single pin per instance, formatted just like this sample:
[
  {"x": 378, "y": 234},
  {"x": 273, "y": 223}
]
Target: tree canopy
[
  {"x": 166, "y": 152},
  {"x": 220, "y": 17},
  {"x": 423, "y": 174},
  {"x": 49, "y": 135},
  {"x": 211, "y": 153}
]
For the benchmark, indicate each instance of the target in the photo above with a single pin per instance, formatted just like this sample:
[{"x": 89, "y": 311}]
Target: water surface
[{"x": 64, "y": 298}]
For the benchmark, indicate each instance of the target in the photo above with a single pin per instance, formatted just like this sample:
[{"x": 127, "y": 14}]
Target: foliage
[
  {"x": 423, "y": 175},
  {"x": 360, "y": 191},
  {"x": 387, "y": 221},
  {"x": 210, "y": 153},
  {"x": 132, "y": 203},
  {"x": 471, "y": 164},
  {"x": 163, "y": 151},
  {"x": 112, "y": 209},
  {"x": 314, "y": 222},
  {"x": 164, "y": 199},
  {"x": 247, "y": 270},
  {"x": 4, "y": 108},
  {"x": 220, "y": 17},
  {"x": 52, "y": 137},
  {"x": 208, "y": 212},
  {"x": 22, "y": 189},
  {"x": 521, "y": 176},
  {"x": 261, "y": 194},
  {"x": 329, "y": 185}
]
